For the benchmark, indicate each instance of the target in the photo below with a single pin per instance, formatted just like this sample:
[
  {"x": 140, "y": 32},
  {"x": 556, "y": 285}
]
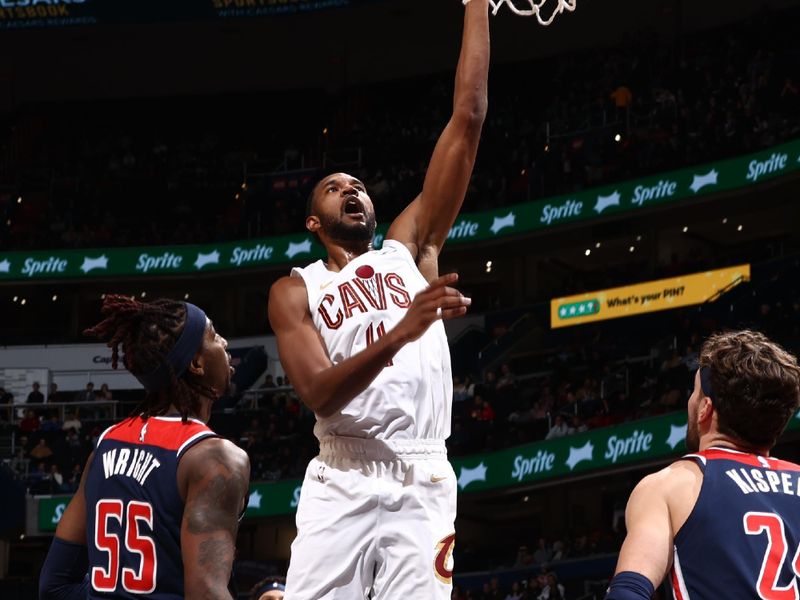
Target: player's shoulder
[
  {"x": 288, "y": 294},
  {"x": 287, "y": 285},
  {"x": 674, "y": 478},
  {"x": 215, "y": 453}
]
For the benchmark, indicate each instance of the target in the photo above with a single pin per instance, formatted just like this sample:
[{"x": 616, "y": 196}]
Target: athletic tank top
[
  {"x": 134, "y": 509},
  {"x": 411, "y": 397},
  {"x": 742, "y": 539}
]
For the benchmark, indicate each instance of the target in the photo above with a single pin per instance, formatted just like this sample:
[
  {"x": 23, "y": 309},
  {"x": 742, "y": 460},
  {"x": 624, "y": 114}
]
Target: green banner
[
  {"x": 590, "y": 451},
  {"x": 269, "y": 499},
  {"x": 50, "y": 511},
  {"x": 626, "y": 197},
  {"x": 601, "y": 449}
]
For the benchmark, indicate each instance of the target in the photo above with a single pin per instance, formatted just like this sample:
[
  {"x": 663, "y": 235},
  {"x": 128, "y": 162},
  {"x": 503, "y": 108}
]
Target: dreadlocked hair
[{"x": 146, "y": 331}]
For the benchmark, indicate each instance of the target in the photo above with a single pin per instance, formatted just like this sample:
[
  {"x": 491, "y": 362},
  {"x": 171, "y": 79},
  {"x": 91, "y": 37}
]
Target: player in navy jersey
[
  {"x": 158, "y": 506},
  {"x": 724, "y": 521}
]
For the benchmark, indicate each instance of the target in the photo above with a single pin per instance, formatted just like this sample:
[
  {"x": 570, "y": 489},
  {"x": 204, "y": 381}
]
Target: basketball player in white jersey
[{"x": 361, "y": 338}]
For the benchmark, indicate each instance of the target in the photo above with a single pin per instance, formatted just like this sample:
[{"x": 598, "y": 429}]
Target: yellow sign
[{"x": 647, "y": 297}]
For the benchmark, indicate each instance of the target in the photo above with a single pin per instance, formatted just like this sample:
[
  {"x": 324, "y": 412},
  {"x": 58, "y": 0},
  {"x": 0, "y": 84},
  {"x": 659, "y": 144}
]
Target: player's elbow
[
  {"x": 322, "y": 407},
  {"x": 470, "y": 113}
]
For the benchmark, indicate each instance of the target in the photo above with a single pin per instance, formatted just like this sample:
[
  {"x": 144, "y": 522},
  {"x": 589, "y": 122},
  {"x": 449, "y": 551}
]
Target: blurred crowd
[{"x": 236, "y": 167}]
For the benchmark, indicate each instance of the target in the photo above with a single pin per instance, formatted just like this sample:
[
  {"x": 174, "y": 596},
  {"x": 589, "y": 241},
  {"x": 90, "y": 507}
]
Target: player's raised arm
[
  {"x": 426, "y": 222},
  {"x": 214, "y": 476},
  {"x": 324, "y": 387}
]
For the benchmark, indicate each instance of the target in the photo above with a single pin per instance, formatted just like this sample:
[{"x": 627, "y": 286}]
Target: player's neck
[
  {"x": 719, "y": 440},
  {"x": 341, "y": 254},
  {"x": 202, "y": 414}
]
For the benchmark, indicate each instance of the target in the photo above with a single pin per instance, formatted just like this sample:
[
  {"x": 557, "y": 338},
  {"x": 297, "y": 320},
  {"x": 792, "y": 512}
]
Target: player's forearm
[
  {"x": 332, "y": 389},
  {"x": 472, "y": 75},
  {"x": 207, "y": 569}
]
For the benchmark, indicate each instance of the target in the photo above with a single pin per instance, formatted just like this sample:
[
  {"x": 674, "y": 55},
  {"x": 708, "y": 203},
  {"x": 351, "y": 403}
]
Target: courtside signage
[
  {"x": 656, "y": 438},
  {"x": 625, "y": 198},
  {"x": 647, "y": 297}
]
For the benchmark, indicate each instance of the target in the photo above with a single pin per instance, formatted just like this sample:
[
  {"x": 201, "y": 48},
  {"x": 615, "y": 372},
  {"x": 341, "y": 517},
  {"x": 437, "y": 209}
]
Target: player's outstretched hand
[{"x": 437, "y": 301}]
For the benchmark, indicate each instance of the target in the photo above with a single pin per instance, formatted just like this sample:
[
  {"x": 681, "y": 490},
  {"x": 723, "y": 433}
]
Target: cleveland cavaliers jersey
[
  {"x": 411, "y": 397},
  {"x": 742, "y": 539},
  {"x": 134, "y": 509}
]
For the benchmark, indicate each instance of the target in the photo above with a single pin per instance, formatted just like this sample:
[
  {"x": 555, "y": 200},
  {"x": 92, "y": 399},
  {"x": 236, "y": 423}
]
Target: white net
[{"x": 533, "y": 8}]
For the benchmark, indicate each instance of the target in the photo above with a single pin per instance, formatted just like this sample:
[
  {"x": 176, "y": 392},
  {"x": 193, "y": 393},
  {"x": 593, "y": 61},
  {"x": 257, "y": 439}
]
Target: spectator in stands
[
  {"x": 41, "y": 450},
  {"x": 495, "y": 591},
  {"x": 53, "y": 395},
  {"x": 559, "y": 551},
  {"x": 553, "y": 590},
  {"x": 74, "y": 479},
  {"x": 558, "y": 429},
  {"x": 577, "y": 425},
  {"x": 459, "y": 390},
  {"x": 6, "y": 397},
  {"x": 30, "y": 423},
  {"x": 507, "y": 379},
  {"x": 56, "y": 478},
  {"x": 622, "y": 99},
  {"x": 86, "y": 395},
  {"x": 19, "y": 463},
  {"x": 72, "y": 422},
  {"x": 269, "y": 382},
  {"x": 39, "y": 479},
  {"x": 524, "y": 557},
  {"x": 543, "y": 552},
  {"x": 515, "y": 593},
  {"x": 51, "y": 424},
  {"x": 104, "y": 393},
  {"x": 533, "y": 588},
  {"x": 35, "y": 396},
  {"x": 487, "y": 412}
]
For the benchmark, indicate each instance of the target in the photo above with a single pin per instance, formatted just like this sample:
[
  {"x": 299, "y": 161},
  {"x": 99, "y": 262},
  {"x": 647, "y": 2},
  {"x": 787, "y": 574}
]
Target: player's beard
[{"x": 339, "y": 230}]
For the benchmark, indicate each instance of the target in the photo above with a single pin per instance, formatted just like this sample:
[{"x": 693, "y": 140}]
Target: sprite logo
[{"x": 579, "y": 309}]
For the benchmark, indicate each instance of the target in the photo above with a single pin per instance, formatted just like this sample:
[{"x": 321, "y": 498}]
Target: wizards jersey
[
  {"x": 742, "y": 539},
  {"x": 411, "y": 397},
  {"x": 134, "y": 509}
]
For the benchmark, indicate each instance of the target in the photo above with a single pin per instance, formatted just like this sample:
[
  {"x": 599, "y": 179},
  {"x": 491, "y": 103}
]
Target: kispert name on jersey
[
  {"x": 353, "y": 308},
  {"x": 135, "y": 509},
  {"x": 742, "y": 538}
]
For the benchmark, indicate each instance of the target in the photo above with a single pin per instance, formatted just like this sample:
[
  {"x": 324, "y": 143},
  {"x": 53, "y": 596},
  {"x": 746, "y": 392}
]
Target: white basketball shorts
[{"x": 375, "y": 520}]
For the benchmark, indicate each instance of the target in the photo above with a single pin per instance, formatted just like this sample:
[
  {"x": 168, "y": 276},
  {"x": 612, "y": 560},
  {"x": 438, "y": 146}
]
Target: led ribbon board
[
  {"x": 594, "y": 451},
  {"x": 623, "y": 199},
  {"x": 641, "y": 298}
]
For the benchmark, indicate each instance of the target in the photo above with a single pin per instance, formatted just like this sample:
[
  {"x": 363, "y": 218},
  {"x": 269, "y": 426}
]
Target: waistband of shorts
[{"x": 374, "y": 449}]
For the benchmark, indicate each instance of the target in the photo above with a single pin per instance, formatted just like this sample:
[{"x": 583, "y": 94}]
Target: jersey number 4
[
  {"x": 756, "y": 523},
  {"x": 137, "y": 514}
]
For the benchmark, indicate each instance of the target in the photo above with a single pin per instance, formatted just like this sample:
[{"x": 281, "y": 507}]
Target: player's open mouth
[{"x": 353, "y": 207}]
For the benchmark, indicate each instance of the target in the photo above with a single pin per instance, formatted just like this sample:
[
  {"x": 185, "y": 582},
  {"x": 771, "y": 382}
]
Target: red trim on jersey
[
  {"x": 166, "y": 433},
  {"x": 751, "y": 460},
  {"x": 676, "y": 586}
]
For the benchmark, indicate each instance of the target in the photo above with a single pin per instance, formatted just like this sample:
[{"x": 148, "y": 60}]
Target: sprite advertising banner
[
  {"x": 656, "y": 438},
  {"x": 647, "y": 297},
  {"x": 625, "y": 198}
]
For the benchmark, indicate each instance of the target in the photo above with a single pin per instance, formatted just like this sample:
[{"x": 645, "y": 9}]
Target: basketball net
[{"x": 533, "y": 8}]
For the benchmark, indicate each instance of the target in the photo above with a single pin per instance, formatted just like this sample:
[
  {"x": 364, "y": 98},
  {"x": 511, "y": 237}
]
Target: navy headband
[
  {"x": 270, "y": 587},
  {"x": 705, "y": 382},
  {"x": 182, "y": 352}
]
